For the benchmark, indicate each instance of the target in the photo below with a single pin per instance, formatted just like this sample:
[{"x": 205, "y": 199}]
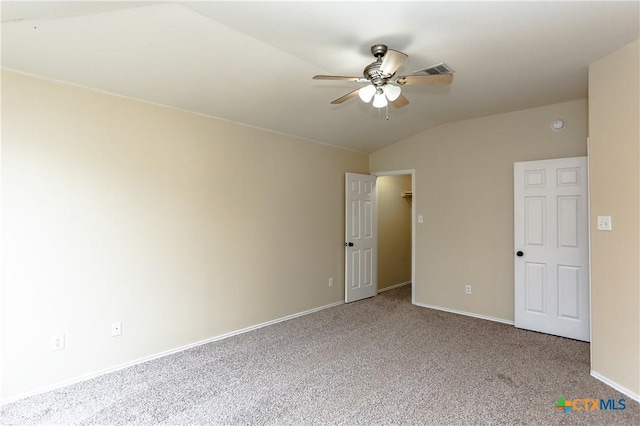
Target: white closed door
[
  {"x": 552, "y": 247},
  {"x": 361, "y": 240}
]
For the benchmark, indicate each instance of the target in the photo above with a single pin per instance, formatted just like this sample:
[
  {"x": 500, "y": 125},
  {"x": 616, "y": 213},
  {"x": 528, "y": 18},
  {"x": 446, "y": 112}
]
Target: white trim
[
  {"x": 391, "y": 287},
  {"x": 163, "y": 354},
  {"x": 589, "y": 242},
  {"x": 468, "y": 314},
  {"x": 411, "y": 172},
  {"x": 616, "y": 386},
  {"x": 395, "y": 173}
]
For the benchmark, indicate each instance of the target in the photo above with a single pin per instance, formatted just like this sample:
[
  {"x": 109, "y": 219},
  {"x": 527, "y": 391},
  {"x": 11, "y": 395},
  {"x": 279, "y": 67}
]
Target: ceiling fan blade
[
  {"x": 339, "y": 77},
  {"x": 425, "y": 79},
  {"x": 400, "y": 102},
  {"x": 345, "y": 97},
  {"x": 392, "y": 61}
]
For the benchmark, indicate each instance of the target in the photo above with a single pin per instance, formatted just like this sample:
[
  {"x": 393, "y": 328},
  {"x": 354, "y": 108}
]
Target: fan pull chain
[{"x": 386, "y": 114}]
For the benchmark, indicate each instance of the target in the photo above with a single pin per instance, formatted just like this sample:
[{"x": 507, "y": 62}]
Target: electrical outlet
[
  {"x": 116, "y": 329},
  {"x": 57, "y": 342},
  {"x": 331, "y": 282},
  {"x": 467, "y": 289},
  {"x": 604, "y": 223}
]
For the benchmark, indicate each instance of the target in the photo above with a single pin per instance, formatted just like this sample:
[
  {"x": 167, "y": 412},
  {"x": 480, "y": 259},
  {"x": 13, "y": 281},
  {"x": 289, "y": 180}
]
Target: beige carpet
[{"x": 377, "y": 361}]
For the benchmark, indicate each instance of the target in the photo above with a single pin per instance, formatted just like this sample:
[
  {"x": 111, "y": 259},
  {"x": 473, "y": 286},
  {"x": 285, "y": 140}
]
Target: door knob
[
  {"x": 349, "y": 244},
  {"x": 519, "y": 254}
]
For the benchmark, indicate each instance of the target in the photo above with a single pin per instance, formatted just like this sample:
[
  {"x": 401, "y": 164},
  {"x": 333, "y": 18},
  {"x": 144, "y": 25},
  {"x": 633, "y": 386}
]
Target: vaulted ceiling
[{"x": 253, "y": 62}]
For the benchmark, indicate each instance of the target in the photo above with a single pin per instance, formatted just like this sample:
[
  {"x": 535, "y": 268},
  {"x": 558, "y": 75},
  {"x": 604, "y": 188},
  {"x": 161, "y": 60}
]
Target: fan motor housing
[{"x": 372, "y": 71}]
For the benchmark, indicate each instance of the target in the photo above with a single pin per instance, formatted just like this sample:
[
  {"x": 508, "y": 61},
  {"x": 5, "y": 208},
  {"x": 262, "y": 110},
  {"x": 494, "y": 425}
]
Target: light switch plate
[
  {"x": 116, "y": 328},
  {"x": 420, "y": 218},
  {"x": 604, "y": 223}
]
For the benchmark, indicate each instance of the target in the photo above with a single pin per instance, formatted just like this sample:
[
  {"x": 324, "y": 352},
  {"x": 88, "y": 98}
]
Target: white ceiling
[{"x": 252, "y": 62}]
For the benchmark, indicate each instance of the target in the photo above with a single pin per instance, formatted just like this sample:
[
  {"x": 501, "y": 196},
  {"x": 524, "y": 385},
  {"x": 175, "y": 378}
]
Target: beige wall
[
  {"x": 181, "y": 226},
  {"x": 394, "y": 231},
  {"x": 614, "y": 162},
  {"x": 464, "y": 189}
]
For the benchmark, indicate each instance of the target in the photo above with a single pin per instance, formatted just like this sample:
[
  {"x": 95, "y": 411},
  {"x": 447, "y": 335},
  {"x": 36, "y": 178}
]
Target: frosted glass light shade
[
  {"x": 366, "y": 93},
  {"x": 380, "y": 100},
  {"x": 392, "y": 92}
]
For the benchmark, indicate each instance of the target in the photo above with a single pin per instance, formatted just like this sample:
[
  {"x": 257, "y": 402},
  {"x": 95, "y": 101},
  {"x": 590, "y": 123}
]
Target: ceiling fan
[{"x": 383, "y": 87}]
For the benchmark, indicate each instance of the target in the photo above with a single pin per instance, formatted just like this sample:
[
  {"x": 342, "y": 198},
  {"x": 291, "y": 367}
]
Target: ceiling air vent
[{"x": 440, "y": 68}]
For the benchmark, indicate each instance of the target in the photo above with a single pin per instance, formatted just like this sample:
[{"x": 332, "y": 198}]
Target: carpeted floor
[{"x": 377, "y": 361}]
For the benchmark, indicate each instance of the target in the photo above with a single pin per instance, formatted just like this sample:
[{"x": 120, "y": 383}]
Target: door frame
[{"x": 411, "y": 172}]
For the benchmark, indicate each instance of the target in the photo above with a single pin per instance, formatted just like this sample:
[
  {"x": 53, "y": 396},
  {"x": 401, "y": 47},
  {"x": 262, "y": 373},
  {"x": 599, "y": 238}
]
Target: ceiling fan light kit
[
  {"x": 391, "y": 91},
  {"x": 381, "y": 96},
  {"x": 380, "y": 76},
  {"x": 366, "y": 93},
  {"x": 379, "y": 99}
]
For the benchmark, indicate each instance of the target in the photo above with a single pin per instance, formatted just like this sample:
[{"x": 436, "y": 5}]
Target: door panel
[
  {"x": 568, "y": 292},
  {"x": 534, "y": 220},
  {"x": 361, "y": 237},
  {"x": 568, "y": 221},
  {"x": 551, "y": 233},
  {"x": 534, "y": 284}
]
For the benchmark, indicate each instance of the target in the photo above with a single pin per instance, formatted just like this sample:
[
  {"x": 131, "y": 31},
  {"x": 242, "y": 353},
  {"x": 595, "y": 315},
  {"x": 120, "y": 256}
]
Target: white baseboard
[
  {"x": 469, "y": 314},
  {"x": 393, "y": 286},
  {"x": 616, "y": 386},
  {"x": 161, "y": 354}
]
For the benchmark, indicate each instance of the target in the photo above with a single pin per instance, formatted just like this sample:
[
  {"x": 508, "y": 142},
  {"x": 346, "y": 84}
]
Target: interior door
[
  {"x": 361, "y": 240},
  {"x": 552, "y": 247}
]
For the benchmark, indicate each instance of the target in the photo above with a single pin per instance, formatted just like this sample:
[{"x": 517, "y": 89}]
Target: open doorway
[{"x": 395, "y": 217}]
